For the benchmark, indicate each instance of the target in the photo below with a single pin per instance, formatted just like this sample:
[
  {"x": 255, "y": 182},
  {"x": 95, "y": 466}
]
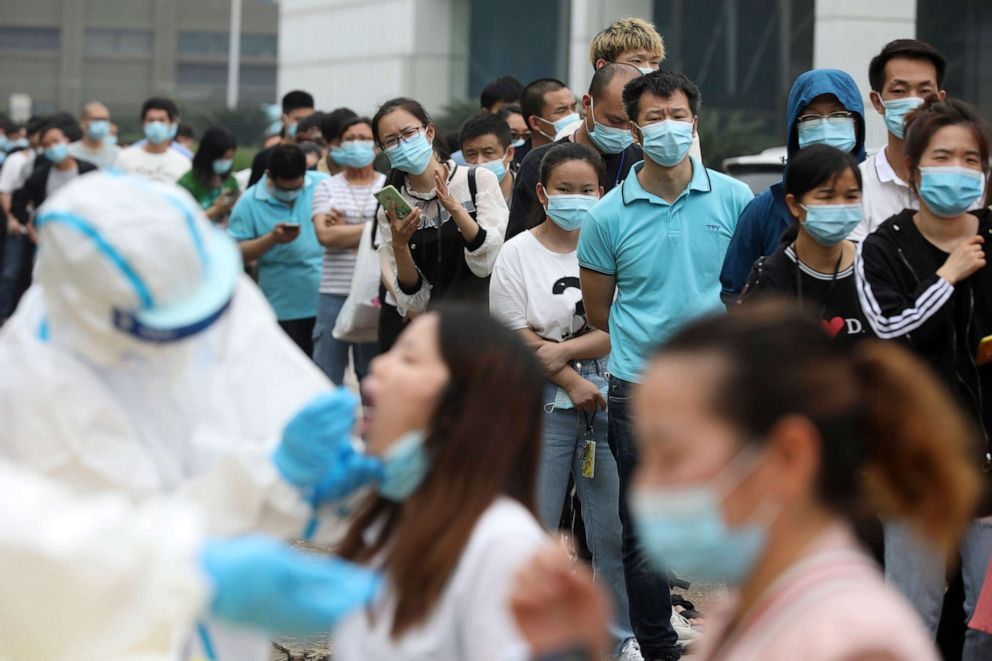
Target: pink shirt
[{"x": 832, "y": 604}]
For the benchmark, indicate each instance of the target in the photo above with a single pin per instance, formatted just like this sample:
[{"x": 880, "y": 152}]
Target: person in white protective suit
[
  {"x": 143, "y": 361},
  {"x": 95, "y": 577}
]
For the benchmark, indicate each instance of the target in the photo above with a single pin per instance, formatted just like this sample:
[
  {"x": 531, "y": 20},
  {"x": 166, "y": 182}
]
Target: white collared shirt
[{"x": 883, "y": 194}]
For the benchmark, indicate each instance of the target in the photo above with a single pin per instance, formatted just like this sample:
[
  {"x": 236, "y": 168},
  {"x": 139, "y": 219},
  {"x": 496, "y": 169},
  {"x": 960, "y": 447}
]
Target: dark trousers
[
  {"x": 647, "y": 590},
  {"x": 301, "y": 332}
]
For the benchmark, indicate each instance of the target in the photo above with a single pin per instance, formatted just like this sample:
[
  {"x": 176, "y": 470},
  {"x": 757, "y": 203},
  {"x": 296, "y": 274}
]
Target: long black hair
[
  {"x": 397, "y": 177},
  {"x": 556, "y": 155},
  {"x": 216, "y": 142},
  {"x": 812, "y": 167}
]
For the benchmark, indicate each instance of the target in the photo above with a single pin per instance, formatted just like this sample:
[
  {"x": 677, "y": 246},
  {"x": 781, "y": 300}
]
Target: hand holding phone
[
  {"x": 390, "y": 198},
  {"x": 286, "y": 232}
]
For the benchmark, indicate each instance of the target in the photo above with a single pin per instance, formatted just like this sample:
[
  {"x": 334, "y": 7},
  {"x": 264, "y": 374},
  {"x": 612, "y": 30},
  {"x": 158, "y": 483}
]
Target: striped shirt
[{"x": 358, "y": 206}]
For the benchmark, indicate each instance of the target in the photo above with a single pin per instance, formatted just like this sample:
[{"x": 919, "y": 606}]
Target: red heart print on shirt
[{"x": 834, "y": 326}]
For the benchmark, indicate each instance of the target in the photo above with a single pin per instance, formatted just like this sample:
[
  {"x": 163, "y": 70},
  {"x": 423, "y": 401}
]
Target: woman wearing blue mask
[
  {"x": 815, "y": 262},
  {"x": 445, "y": 248},
  {"x": 535, "y": 292},
  {"x": 762, "y": 444},
  {"x": 452, "y": 519},
  {"x": 210, "y": 181},
  {"x": 923, "y": 279},
  {"x": 342, "y": 206}
]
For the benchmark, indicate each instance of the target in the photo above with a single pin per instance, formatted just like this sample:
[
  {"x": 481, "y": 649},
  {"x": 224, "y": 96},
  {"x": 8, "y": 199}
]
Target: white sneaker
[
  {"x": 630, "y": 651},
  {"x": 687, "y": 635}
]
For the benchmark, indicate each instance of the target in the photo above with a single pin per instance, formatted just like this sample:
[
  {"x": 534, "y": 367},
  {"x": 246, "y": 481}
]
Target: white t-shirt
[
  {"x": 472, "y": 620},
  {"x": 103, "y": 157},
  {"x": 167, "y": 166},
  {"x": 537, "y": 288},
  {"x": 16, "y": 169},
  {"x": 358, "y": 206}
]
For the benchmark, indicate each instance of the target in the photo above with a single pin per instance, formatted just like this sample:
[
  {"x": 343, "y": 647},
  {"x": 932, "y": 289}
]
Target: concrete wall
[{"x": 849, "y": 33}]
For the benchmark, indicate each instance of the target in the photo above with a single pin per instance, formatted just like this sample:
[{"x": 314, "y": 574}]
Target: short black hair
[
  {"x": 505, "y": 88},
  {"x": 160, "y": 103},
  {"x": 331, "y": 123},
  {"x": 663, "y": 84},
  {"x": 605, "y": 75},
  {"x": 353, "y": 121},
  {"x": 507, "y": 110},
  {"x": 313, "y": 121},
  {"x": 486, "y": 123},
  {"x": 65, "y": 123},
  {"x": 34, "y": 124},
  {"x": 910, "y": 49},
  {"x": 286, "y": 162},
  {"x": 532, "y": 99},
  {"x": 295, "y": 100},
  {"x": 186, "y": 131}
]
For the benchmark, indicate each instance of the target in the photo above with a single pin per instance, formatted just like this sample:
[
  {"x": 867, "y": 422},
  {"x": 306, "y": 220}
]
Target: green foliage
[
  {"x": 247, "y": 123},
  {"x": 454, "y": 115},
  {"x": 724, "y": 134}
]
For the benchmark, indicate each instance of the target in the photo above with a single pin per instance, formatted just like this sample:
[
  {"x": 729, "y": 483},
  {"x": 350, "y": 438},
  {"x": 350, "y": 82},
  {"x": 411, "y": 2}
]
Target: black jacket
[
  {"x": 29, "y": 197},
  {"x": 904, "y": 299}
]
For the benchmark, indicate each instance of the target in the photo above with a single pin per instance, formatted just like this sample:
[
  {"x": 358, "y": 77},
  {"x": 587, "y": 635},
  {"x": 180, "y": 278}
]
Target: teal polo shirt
[
  {"x": 289, "y": 273},
  {"x": 666, "y": 258}
]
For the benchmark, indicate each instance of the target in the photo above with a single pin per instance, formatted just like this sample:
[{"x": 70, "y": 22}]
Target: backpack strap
[{"x": 472, "y": 190}]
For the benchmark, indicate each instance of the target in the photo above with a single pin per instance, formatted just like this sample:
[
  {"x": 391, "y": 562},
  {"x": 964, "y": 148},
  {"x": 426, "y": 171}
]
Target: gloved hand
[
  {"x": 350, "y": 470},
  {"x": 264, "y": 584},
  {"x": 316, "y": 437}
]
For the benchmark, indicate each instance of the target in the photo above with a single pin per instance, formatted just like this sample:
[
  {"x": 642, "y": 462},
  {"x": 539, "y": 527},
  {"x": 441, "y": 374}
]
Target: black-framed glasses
[{"x": 406, "y": 135}]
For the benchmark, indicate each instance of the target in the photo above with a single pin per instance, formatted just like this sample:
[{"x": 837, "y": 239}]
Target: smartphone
[
  {"x": 290, "y": 225},
  {"x": 388, "y": 196}
]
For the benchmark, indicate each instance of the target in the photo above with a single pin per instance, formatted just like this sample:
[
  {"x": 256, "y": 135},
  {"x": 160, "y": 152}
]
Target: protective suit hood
[
  {"x": 127, "y": 264},
  {"x": 812, "y": 84}
]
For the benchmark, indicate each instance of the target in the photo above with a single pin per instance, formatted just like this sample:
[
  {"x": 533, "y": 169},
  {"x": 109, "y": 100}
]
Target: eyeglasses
[
  {"x": 841, "y": 114},
  {"x": 406, "y": 135},
  {"x": 519, "y": 135}
]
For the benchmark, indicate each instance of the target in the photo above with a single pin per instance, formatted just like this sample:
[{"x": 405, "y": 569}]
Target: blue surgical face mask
[
  {"x": 291, "y": 131},
  {"x": 667, "y": 142},
  {"x": 98, "y": 129},
  {"x": 4, "y": 143},
  {"x": 560, "y": 124},
  {"x": 834, "y": 131},
  {"x": 157, "y": 132},
  {"x": 111, "y": 139},
  {"x": 173, "y": 130},
  {"x": 569, "y": 211},
  {"x": 20, "y": 143},
  {"x": 497, "y": 166},
  {"x": 896, "y": 111},
  {"x": 57, "y": 152},
  {"x": 608, "y": 140},
  {"x": 518, "y": 143},
  {"x": 354, "y": 153},
  {"x": 223, "y": 165},
  {"x": 830, "y": 224},
  {"x": 287, "y": 196},
  {"x": 683, "y": 529},
  {"x": 950, "y": 191},
  {"x": 405, "y": 465},
  {"x": 412, "y": 156}
]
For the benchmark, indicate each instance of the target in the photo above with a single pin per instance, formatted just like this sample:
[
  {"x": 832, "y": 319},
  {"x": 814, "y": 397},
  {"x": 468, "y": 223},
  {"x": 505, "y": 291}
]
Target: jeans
[
  {"x": 917, "y": 571},
  {"x": 647, "y": 590},
  {"x": 331, "y": 354},
  {"x": 561, "y": 454}
]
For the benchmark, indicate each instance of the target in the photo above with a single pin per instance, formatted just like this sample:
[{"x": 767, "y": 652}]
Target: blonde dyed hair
[{"x": 623, "y": 35}]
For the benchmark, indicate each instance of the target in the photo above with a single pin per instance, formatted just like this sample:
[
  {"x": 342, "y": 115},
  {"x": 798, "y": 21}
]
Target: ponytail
[{"x": 918, "y": 464}]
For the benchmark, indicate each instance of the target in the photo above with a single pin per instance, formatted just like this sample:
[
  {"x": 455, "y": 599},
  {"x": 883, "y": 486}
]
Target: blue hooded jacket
[{"x": 763, "y": 220}]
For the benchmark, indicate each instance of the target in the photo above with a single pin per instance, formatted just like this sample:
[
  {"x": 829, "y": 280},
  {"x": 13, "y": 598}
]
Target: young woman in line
[
  {"x": 924, "y": 280},
  {"x": 210, "y": 181},
  {"x": 535, "y": 292},
  {"x": 342, "y": 205},
  {"x": 445, "y": 248},
  {"x": 815, "y": 263},
  {"x": 762, "y": 440},
  {"x": 454, "y": 411}
]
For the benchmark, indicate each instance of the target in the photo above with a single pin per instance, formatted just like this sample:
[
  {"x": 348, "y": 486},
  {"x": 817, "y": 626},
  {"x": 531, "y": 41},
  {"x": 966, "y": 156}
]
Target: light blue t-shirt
[
  {"x": 289, "y": 273},
  {"x": 666, "y": 258}
]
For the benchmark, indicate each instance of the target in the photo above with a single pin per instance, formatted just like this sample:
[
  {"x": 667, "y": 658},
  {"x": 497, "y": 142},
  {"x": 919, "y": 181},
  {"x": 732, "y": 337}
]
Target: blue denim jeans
[
  {"x": 561, "y": 454},
  {"x": 917, "y": 571},
  {"x": 647, "y": 590},
  {"x": 331, "y": 354}
]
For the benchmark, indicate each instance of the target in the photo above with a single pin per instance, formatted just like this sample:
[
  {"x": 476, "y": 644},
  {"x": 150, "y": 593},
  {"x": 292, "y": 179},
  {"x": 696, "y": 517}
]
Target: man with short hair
[
  {"x": 902, "y": 76},
  {"x": 631, "y": 41},
  {"x": 154, "y": 158},
  {"x": 605, "y": 128},
  {"x": 95, "y": 147},
  {"x": 548, "y": 106},
  {"x": 503, "y": 91},
  {"x": 649, "y": 254},
  {"x": 271, "y": 223},
  {"x": 485, "y": 140},
  {"x": 296, "y": 105}
]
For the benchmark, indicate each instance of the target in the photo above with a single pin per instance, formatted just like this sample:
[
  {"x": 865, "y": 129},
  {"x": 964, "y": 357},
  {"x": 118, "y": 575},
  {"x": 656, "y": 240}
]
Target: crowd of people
[{"x": 558, "y": 320}]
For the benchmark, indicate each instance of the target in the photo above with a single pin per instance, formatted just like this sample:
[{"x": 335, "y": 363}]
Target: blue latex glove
[
  {"x": 315, "y": 438},
  {"x": 350, "y": 470},
  {"x": 264, "y": 584}
]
